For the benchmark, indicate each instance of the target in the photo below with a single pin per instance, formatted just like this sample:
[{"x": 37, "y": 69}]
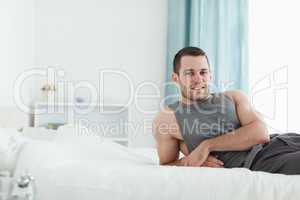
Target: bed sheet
[{"x": 90, "y": 168}]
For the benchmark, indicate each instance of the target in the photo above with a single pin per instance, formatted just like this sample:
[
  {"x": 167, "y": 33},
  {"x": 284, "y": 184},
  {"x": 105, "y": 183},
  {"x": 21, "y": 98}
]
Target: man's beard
[{"x": 189, "y": 94}]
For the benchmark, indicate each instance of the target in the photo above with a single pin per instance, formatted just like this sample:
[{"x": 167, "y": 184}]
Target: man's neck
[{"x": 187, "y": 101}]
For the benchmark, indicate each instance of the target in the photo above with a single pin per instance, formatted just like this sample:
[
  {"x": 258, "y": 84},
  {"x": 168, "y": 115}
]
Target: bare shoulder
[
  {"x": 245, "y": 111},
  {"x": 166, "y": 132},
  {"x": 237, "y": 96},
  {"x": 165, "y": 115},
  {"x": 165, "y": 124}
]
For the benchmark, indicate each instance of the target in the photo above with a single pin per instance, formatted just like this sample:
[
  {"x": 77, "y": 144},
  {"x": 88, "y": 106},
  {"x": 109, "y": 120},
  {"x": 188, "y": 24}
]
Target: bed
[{"x": 90, "y": 167}]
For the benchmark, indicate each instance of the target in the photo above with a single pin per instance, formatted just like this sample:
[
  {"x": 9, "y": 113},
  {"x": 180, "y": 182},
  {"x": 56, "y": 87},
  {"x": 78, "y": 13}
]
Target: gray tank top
[{"x": 209, "y": 118}]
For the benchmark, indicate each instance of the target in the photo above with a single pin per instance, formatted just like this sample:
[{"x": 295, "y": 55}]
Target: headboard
[{"x": 109, "y": 121}]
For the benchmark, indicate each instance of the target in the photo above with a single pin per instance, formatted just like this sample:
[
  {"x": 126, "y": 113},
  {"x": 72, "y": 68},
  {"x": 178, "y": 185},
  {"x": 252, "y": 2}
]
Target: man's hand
[
  {"x": 200, "y": 157},
  {"x": 211, "y": 161}
]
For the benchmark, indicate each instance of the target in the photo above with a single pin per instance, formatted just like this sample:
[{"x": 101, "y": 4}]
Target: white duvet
[{"x": 89, "y": 168}]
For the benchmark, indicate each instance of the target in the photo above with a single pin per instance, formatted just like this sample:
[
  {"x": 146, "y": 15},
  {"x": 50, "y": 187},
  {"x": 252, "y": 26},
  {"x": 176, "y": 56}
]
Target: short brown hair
[{"x": 187, "y": 51}]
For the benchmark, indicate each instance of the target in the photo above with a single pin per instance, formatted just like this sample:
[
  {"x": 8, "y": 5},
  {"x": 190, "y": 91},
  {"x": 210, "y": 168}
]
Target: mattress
[{"x": 93, "y": 168}]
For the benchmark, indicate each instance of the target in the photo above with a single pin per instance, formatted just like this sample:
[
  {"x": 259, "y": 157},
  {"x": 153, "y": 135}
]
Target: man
[{"x": 218, "y": 129}]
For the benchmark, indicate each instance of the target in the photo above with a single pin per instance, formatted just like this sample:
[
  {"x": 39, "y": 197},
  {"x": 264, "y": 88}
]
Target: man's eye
[
  {"x": 202, "y": 73},
  {"x": 188, "y": 73}
]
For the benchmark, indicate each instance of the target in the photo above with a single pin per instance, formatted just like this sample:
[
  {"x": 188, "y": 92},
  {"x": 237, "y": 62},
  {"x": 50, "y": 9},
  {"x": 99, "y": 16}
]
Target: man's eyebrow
[{"x": 189, "y": 70}]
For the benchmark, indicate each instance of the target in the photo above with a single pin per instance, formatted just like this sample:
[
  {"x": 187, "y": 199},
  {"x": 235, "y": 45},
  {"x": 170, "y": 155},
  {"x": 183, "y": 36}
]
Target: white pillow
[
  {"x": 39, "y": 133},
  {"x": 11, "y": 143},
  {"x": 74, "y": 131}
]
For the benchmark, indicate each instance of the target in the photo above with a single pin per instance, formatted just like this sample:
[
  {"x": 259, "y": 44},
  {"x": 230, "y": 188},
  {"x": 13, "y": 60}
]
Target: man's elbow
[
  {"x": 262, "y": 132},
  {"x": 264, "y": 139},
  {"x": 165, "y": 161}
]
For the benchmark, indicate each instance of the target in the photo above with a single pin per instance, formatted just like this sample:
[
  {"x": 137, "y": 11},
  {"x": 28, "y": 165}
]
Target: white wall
[
  {"x": 275, "y": 64},
  {"x": 17, "y": 53},
  {"x": 83, "y": 37}
]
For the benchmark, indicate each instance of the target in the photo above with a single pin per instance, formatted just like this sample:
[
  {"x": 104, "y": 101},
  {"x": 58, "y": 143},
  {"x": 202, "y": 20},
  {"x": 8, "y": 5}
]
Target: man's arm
[
  {"x": 252, "y": 131},
  {"x": 164, "y": 129},
  {"x": 169, "y": 142}
]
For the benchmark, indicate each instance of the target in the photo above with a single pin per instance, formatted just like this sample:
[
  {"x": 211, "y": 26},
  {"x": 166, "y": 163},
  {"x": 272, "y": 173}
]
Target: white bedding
[{"x": 89, "y": 168}]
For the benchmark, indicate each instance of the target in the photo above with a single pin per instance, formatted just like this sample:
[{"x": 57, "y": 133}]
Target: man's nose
[{"x": 197, "y": 77}]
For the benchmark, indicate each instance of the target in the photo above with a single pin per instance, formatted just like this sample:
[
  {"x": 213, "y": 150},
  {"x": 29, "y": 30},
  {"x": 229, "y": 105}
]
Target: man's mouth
[{"x": 198, "y": 88}]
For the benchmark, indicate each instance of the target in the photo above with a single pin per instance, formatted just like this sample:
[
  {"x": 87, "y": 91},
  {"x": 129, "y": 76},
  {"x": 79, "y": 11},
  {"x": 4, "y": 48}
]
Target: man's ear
[{"x": 175, "y": 77}]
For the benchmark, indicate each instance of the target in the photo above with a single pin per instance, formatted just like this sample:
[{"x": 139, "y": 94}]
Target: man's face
[{"x": 194, "y": 77}]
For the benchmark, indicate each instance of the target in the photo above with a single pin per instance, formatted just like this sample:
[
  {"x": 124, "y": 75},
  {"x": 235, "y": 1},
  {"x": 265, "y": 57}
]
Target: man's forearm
[{"x": 240, "y": 139}]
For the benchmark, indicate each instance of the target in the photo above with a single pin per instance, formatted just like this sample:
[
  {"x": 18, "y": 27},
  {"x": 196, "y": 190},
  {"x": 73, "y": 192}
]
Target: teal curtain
[{"x": 220, "y": 28}]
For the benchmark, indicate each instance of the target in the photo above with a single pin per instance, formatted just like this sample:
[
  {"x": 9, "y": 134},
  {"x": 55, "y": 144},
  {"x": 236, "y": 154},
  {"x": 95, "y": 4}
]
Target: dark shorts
[{"x": 280, "y": 155}]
